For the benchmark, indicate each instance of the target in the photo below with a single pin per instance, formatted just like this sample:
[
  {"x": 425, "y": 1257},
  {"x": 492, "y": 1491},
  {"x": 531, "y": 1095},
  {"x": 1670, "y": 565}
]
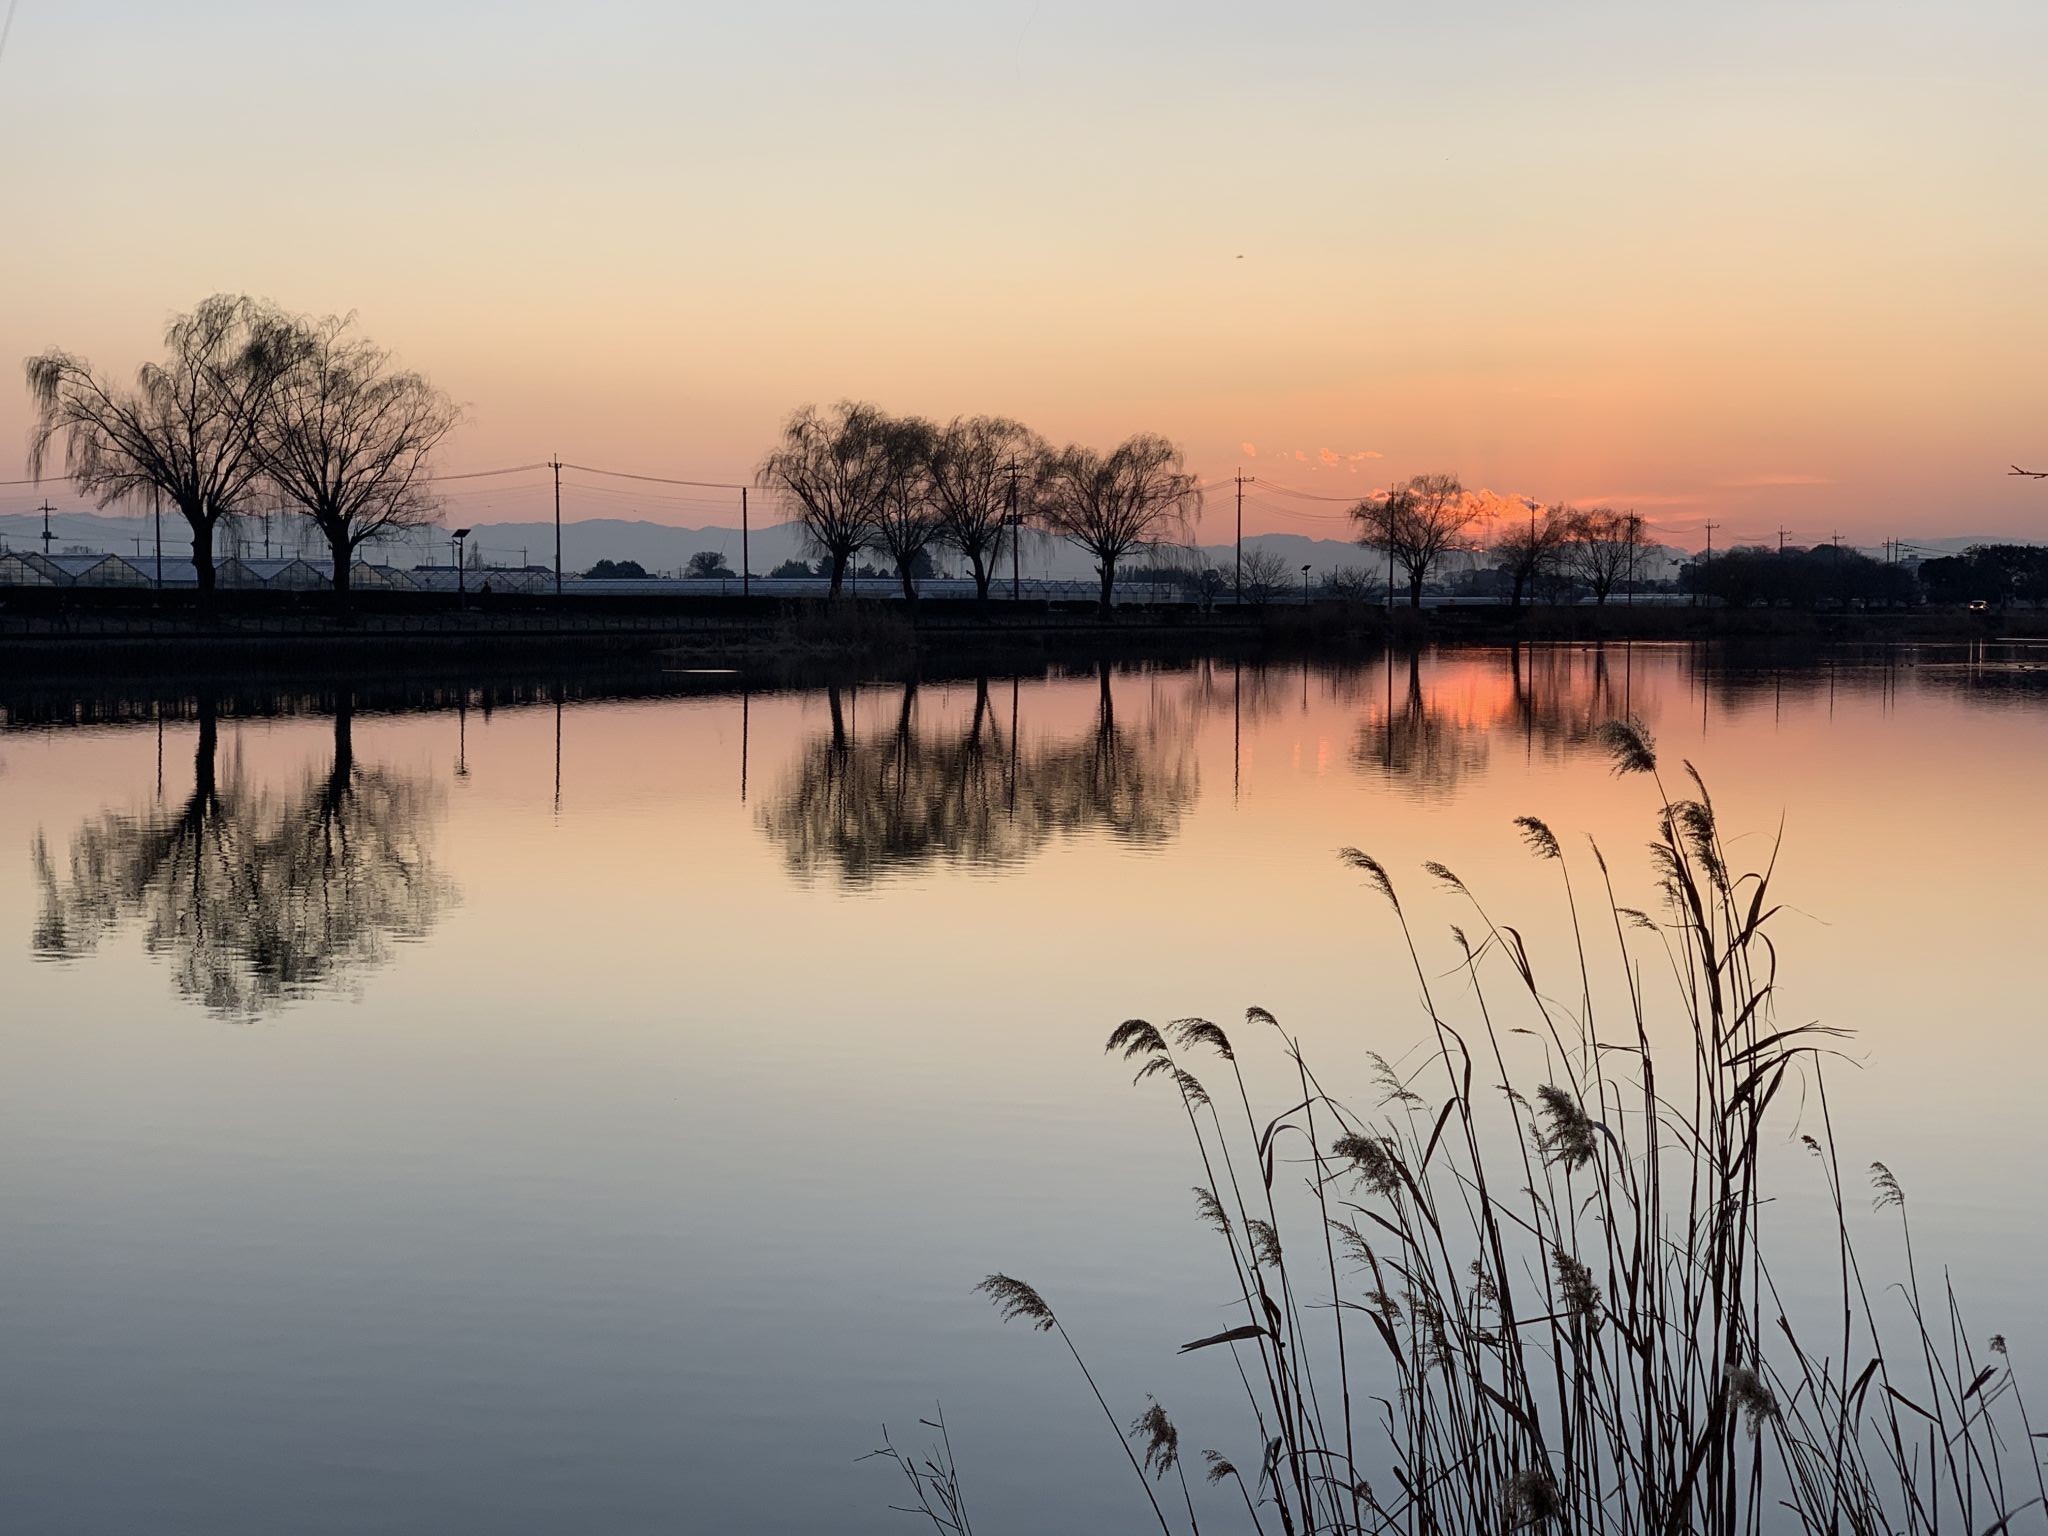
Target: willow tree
[
  {"x": 833, "y": 469},
  {"x": 906, "y": 522},
  {"x": 1416, "y": 525},
  {"x": 181, "y": 431},
  {"x": 347, "y": 437},
  {"x": 982, "y": 469},
  {"x": 1112, "y": 503}
]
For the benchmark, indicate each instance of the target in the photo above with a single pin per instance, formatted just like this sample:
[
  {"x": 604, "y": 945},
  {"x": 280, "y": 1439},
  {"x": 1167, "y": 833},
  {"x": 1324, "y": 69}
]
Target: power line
[{"x": 620, "y": 474}]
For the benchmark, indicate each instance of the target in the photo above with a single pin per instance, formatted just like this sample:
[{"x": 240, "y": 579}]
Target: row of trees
[
  {"x": 250, "y": 404},
  {"x": 858, "y": 478},
  {"x": 1418, "y": 524}
]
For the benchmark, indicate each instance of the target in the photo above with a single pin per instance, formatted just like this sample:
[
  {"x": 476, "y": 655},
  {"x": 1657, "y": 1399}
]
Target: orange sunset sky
[{"x": 1762, "y": 264}]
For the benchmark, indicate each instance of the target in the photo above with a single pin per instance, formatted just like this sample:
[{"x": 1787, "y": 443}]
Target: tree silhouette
[
  {"x": 347, "y": 437},
  {"x": 1113, "y": 503},
  {"x": 983, "y": 469},
  {"x": 182, "y": 431},
  {"x": 907, "y": 519},
  {"x": 1530, "y": 551},
  {"x": 833, "y": 469},
  {"x": 1416, "y": 525},
  {"x": 254, "y": 898},
  {"x": 1603, "y": 548}
]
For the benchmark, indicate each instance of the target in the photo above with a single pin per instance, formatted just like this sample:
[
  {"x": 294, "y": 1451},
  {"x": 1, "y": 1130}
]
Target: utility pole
[
  {"x": 156, "y": 497},
  {"x": 556, "y": 465},
  {"x": 1016, "y": 527},
  {"x": 1240, "y": 538},
  {"x": 1710, "y": 542},
  {"x": 46, "y": 536},
  {"x": 1782, "y": 531},
  {"x": 746, "y": 565}
]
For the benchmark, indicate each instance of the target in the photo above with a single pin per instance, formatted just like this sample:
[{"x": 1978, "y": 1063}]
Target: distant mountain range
[{"x": 658, "y": 547}]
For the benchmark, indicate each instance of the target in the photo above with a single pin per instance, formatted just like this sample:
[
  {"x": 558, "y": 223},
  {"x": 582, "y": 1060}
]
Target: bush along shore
[{"x": 1531, "y": 1290}]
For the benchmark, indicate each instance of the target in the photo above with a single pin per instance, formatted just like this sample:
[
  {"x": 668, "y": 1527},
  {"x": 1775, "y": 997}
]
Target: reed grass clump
[{"x": 1479, "y": 1307}]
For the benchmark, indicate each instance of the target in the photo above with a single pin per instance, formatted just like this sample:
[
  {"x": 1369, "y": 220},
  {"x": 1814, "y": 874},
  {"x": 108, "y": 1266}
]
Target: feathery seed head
[
  {"x": 1211, "y": 1210},
  {"x": 1155, "y": 1431},
  {"x": 1575, "y": 1284},
  {"x": 1193, "y": 1032},
  {"x": 1532, "y": 1499},
  {"x": 1888, "y": 1191},
  {"x": 1135, "y": 1037},
  {"x": 1373, "y": 1158},
  {"x": 1016, "y": 1300},
  {"x": 1441, "y": 873},
  {"x": 1569, "y": 1136},
  {"x": 1541, "y": 840},
  {"x": 1748, "y": 1392},
  {"x": 1219, "y": 1466},
  {"x": 1265, "y": 1242},
  {"x": 1374, "y": 872},
  {"x": 1629, "y": 743}
]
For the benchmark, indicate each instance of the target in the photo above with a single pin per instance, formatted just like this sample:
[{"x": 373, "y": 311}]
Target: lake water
[{"x": 509, "y": 1114}]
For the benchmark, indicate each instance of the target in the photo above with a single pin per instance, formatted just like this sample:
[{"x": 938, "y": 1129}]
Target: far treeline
[{"x": 254, "y": 404}]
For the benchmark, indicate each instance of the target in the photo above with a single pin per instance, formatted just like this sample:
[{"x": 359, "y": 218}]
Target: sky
[{"x": 1761, "y": 265}]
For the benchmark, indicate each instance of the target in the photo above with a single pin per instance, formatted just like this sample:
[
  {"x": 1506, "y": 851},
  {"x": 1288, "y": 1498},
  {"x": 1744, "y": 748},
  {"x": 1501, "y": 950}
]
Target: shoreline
[{"x": 244, "y": 634}]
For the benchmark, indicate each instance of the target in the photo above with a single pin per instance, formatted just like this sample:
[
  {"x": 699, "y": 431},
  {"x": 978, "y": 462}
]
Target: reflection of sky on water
[{"x": 648, "y": 1179}]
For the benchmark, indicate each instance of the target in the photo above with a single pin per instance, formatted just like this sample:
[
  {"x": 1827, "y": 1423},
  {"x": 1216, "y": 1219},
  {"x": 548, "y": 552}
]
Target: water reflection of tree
[
  {"x": 1556, "y": 701},
  {"x": 255, "y": 897},
  {"x": 1563, "y": 697},
  {"x": 978, "y": 795},
  {"x": 1410, "y": 740}
]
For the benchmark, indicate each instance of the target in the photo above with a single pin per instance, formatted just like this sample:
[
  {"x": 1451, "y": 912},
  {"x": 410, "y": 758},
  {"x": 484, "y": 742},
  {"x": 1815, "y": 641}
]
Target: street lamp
[
  {"x": 458, "y": 536},
  {"x": 1304, "y": 586}
]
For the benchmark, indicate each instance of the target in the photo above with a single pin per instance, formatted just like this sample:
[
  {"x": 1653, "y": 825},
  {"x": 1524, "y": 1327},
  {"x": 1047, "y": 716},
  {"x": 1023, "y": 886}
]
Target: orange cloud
[{"x": 1756, "y": 482}]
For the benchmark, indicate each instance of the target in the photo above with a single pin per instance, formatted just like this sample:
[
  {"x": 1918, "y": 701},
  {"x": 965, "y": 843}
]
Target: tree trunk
[
  {"x": 1515, "y": 600},
  {"x": 202, "y": 554},
  {"x": 838, "y": 572},
  {"x": 343, "y": 568},
  {"x": 1108, "y": 573},
  {"x": 982, "y": 575},
  {"x": 909, "y": 585},
  {"x": 1415, "y": 589}
]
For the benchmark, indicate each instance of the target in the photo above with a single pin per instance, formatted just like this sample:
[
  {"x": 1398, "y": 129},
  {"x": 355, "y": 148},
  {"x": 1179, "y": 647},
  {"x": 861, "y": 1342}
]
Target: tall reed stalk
[{"x": 1483, "y": 1308}]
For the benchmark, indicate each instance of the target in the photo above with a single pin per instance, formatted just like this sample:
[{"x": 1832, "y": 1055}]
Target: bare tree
[
  {"x": 1416, "y": 525},
  {"x": 1112, "y": 503},
  {"x": 1265, "y": 575},
  {"x": 983, "y": 469},
  {"x": 1603, "y": 549},
  {"x": 907, "y": 520},
  {"x": 182, "y": 430},
  {"x": 833, "y": 469},
  {"x": 348, "y": 438},
  {"x": 1528, "y": 552}
]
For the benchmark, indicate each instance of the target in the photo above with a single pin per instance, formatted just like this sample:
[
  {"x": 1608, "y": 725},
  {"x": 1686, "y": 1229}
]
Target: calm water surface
[{"x": 523, "y": 1116}]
